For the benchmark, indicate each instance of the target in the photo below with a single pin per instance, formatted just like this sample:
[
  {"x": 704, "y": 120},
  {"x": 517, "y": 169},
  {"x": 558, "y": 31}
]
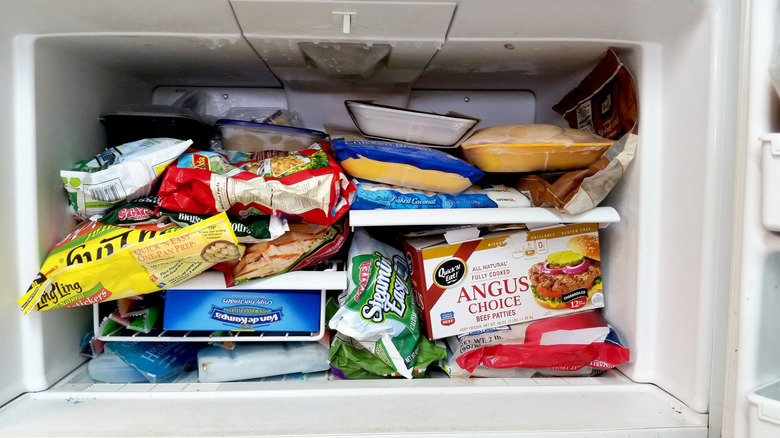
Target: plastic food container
[
  {"x": 245, "y": 136},
  {"x": 417, "y": 127},
  {"x": 156, "y": 121},
  {"x": 533, "y": 148}
]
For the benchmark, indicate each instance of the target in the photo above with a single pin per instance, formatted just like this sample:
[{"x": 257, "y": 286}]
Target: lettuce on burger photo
[{"x": 567, "y": 279}]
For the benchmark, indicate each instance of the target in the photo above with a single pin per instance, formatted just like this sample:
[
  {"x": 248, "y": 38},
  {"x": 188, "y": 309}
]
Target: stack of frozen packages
[
  {"x": 156, "y": 213},
  {"x": 164, "y": 362},
  {"x": 377, "y": 326},
  {"x": 208, "y": 182},
  {"x": 191, "y": 192},
  {"x": 396, "y": 175},
  {"x": 97, "y": 261},
  {"x": 571, "y": 169},
  {"x": 516, "y": 302}
]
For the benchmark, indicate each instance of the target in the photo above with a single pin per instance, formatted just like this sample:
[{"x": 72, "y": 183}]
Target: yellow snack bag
[{"x": 98, "y": 262}]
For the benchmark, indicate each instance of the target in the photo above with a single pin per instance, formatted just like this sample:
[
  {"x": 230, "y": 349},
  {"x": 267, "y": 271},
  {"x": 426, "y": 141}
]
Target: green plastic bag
[
  {"x": 378, "y": 309},
  {"x": 350, "y": 360}
]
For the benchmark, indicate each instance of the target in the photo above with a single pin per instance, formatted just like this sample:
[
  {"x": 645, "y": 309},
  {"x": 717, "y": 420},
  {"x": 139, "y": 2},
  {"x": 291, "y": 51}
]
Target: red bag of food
[
  {"x": 304, "y": 186},
  {"x": 564, "y": 343}
]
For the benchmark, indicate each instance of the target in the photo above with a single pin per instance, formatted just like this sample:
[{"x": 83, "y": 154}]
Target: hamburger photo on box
[{"x": 505, "y": 277}]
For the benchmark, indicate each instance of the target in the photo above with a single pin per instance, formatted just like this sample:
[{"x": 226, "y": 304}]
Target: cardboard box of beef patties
[{"x": 505, "y": 278}]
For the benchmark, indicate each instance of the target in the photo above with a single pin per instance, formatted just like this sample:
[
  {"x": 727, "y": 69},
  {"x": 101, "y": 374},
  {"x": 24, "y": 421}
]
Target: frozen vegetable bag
[{"x": 378, "y": 309}]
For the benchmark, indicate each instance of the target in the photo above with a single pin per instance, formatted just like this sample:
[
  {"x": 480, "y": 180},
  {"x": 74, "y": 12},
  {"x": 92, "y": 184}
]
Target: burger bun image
[{"x": 587, "y": 245}]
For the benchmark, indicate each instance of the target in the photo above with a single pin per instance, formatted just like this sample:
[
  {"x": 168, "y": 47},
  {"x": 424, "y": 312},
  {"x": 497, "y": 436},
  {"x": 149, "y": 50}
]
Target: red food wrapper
[
  {"x": 565, "y": 343},
  {"x": 304, "y": 186}
]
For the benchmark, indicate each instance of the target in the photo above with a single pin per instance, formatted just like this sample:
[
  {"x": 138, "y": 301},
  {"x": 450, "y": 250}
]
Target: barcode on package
[{"x": 109, "y": 191}]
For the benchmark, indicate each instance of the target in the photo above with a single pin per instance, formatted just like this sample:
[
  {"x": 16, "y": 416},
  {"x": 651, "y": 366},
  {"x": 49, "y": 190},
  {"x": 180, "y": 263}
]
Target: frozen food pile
[{"x": 262, "y": 197}]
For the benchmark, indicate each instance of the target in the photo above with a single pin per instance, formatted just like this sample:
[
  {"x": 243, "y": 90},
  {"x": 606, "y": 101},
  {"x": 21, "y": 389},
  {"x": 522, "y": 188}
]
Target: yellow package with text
[{"x": 98, "y": 262}]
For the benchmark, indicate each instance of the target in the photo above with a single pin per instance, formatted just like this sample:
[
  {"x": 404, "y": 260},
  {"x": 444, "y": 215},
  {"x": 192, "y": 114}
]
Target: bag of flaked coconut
[{"x": 378, "y": 309}]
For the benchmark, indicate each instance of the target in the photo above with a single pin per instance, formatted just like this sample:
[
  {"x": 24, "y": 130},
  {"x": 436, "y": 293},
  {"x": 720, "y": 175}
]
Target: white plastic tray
[
  {"x": 764, "y": 417},
  {"x": 410, "y": 126}
]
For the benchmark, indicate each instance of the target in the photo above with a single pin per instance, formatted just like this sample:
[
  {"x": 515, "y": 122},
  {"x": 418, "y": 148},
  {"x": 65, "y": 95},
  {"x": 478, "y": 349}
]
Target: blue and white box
[{"x": 285, "y": 311}]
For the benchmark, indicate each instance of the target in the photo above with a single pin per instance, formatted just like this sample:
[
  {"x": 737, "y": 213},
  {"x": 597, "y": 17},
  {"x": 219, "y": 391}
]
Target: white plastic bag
[{"x": 119, "y": 174}]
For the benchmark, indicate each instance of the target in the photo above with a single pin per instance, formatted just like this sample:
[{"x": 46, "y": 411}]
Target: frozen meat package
[{"x": 575, "y": 344}]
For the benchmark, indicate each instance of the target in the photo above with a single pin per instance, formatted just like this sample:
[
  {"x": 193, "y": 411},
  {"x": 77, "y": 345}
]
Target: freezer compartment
[
  {"x": 661, "y": 299},
  {"x": 607, "y": 406}
]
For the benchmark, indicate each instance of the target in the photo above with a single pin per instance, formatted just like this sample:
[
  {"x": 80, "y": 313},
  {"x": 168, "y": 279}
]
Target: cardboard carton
[
  {"x": 294, "y": 311},
  {"x": 505, "y": 278}
]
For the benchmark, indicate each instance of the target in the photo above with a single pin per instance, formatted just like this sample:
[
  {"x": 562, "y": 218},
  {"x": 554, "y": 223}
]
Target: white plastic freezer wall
[{"x": 666, "y": 262}]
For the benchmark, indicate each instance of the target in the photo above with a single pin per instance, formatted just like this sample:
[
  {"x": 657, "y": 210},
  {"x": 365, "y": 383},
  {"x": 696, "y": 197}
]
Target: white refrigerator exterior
[
  {"x": 753, "y": 403},
  {"x": 689, "y": 269}
]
